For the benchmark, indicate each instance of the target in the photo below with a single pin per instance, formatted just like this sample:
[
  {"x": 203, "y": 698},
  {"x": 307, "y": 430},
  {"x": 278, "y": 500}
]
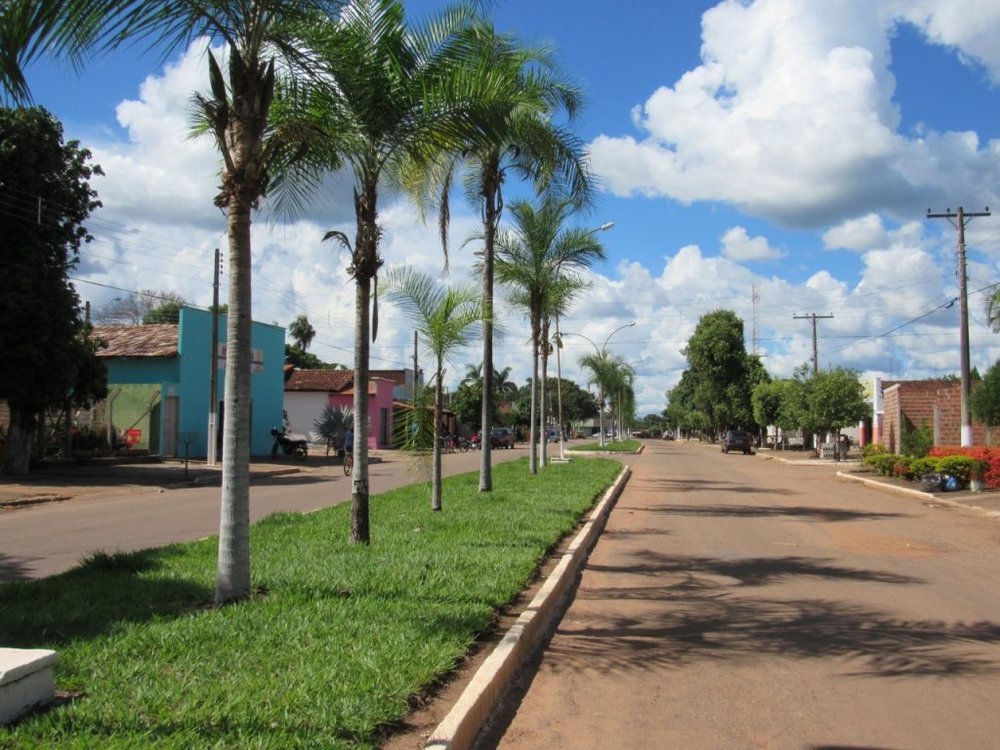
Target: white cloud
[
  {"x": 791, "y": 116},
  {"x": 856, "y": 234},
  {"x": 739, "y": 246}
]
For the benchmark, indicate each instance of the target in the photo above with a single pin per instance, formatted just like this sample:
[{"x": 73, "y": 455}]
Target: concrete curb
[
  {"x": 483, "y": 694},
  {"x": 929, "y": 496}
]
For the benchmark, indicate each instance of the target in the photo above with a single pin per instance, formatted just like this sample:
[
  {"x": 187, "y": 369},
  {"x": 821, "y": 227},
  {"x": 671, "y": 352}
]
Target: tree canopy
[{"x": 47, "y": 356}]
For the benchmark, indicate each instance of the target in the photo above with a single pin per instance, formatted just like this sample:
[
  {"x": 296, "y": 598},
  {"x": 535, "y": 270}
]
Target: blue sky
[{"x": 788, "y": 146}]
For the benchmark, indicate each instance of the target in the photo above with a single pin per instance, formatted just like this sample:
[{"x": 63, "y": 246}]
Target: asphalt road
[
  {"x": 48, "y": 538},
  {"x": 734, "y": 602}
]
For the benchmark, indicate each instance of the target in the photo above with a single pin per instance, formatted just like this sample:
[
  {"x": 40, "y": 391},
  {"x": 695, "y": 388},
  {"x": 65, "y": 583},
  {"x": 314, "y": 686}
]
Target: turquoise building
[{"x": 159, "y": 378}]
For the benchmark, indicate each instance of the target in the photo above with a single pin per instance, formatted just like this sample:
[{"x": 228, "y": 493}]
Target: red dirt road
[{"x": 739, "y": 603}]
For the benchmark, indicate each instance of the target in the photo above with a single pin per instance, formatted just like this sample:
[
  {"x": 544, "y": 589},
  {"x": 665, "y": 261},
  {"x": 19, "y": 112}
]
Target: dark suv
[
  {"x": 737, "y": 440},
  {"x": 502, "y": 437}
]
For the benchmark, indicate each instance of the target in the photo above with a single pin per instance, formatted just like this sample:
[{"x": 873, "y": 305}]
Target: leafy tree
[
  {"x": 836, "y": 400},
  {"x": 535, "y": 261},
  {"x": 445, "y": 318},
  {"x": 47, "y": 353},
  {"x": 718, "y": 363},
  {"x": 168, "y": 312},
  {"x": 984, "y": 401},
  {"x": 134, "y": 308},
  {"x": 766, "y": 402},
  {"x": 256, "y": 148}
]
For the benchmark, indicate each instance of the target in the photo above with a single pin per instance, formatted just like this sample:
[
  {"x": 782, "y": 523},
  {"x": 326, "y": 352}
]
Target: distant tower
[{"x": 756, "y": 301}]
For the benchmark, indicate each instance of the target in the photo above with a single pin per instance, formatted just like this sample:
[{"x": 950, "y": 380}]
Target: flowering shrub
[{"x": 987, "y": 458}]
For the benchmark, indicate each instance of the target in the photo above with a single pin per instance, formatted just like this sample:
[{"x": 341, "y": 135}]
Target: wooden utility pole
[
  {"x": 962, "y": 219},
  {"x": 814, "y": 317}
]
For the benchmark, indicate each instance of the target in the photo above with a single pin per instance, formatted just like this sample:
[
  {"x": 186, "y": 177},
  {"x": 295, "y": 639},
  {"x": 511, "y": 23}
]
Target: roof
[
  {"x": 329, "y": 381},
  {"x": 396, "y": 376},
  {"x": 155, "y": 340}
]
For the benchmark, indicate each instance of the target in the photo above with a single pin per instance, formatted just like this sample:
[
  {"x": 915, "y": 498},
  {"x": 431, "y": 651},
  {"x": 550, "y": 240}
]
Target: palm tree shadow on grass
[{"x": 106, "y": 590}]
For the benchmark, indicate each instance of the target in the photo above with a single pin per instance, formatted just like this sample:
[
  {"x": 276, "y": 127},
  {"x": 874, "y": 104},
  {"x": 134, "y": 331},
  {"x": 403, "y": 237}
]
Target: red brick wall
[{"x": 910, "y": 405}]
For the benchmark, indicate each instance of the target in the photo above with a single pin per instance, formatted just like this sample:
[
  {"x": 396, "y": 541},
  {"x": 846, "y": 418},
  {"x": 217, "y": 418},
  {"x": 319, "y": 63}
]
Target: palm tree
[
  {"x": 611, "y": 374},
  {"x": 445, "y": 318},
  {"x": 528, "y": 144},
  {"x": 535, "y": 260},
  {"x": 253, "y": 147},
  {"x": 401, "y": 96},
  {"x": 302, "y": 332}
]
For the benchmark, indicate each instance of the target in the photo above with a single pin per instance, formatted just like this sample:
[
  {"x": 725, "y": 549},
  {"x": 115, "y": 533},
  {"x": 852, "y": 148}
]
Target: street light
[
  {"x": 562, "y": 438},
  {"x": 600, "y": 352}
]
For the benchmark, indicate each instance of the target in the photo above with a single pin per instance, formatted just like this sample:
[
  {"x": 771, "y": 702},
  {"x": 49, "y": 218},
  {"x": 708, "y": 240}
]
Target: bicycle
[{"x": 348, "y": 463}]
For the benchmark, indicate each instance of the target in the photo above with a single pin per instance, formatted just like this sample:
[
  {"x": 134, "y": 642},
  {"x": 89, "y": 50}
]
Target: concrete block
[{"x": 25, "y": 681}]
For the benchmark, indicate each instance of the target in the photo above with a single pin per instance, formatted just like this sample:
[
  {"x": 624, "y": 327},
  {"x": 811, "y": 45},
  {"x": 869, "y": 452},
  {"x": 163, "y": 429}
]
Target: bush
[
  {"x": 988, "y": 468},
  {"x": 883, "y": 463},
  {"x": 922, "y": 466},
  {"x": 918, "y": 442},
  {"x": 873, "y": 449},
  {"x": 901, "y": 467}
]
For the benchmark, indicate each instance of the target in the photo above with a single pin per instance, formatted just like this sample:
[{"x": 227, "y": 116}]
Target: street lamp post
[
  {"x": 600, "y": 353},
  {"x": 562, "y": 438}
]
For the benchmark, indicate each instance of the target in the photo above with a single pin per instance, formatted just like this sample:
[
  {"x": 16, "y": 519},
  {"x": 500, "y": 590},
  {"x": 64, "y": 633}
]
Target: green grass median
[
  {"x": 617, "y": 446},
  {"x": 336, "y": 641}
]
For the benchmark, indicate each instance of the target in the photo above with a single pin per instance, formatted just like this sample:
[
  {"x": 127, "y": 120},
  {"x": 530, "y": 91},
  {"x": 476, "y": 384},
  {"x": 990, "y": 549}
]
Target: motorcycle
[{"x": 296, "y": 447}]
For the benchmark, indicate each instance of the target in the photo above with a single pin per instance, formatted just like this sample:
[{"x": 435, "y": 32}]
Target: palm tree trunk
[
  {"x": 365, "y": 267},
  {"x": 360, "y": 531},
  {"x": 491, "y": 216},
  {"x": 543, "y": 397},
  {"x": 436, "y": 447},
  {"x": 533, "y": 418},
  {"x": 233, "y": 572}
]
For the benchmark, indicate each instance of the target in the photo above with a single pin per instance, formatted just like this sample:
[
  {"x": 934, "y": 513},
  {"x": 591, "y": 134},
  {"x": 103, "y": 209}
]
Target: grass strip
[
  {"x": 330, "y": 651},
  {"x": 618, "y": 446}
]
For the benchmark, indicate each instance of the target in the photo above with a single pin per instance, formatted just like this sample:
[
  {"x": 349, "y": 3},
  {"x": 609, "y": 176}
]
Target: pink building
[{"x": 309, "y": 392}]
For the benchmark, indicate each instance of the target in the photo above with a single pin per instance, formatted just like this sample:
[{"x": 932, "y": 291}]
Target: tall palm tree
[
  {"x": 611, "y": 374},
  {"x": 535, "y": 258},
  {"x": 402, "y": 96},
  {"x": 445, "y": 318},
  {"x": 302, "y": 332},
  {"x": 528, "y": 144},
  {"x": 253, "y": 148}
]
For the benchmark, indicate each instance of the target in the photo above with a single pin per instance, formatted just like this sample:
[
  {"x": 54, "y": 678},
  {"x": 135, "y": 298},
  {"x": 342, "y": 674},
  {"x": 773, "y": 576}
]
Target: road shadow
[
  {"x": 807, "y": 512},
  {"x": 686, "y": 486}
]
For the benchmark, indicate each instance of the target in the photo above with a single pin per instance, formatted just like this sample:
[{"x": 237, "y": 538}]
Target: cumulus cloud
[
  {"x": 739, "y": 246},
  {"x": 791, "y": 115}
]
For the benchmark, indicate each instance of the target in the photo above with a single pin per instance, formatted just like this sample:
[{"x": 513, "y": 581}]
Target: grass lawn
[
  {"x": 618, "y": 446},
  {"x": 329, "y": 651}
]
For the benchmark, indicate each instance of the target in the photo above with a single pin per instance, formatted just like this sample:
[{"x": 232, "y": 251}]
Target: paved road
[
  {"x": 734, "y": 602},
  {"x": 49, "y": 538}
]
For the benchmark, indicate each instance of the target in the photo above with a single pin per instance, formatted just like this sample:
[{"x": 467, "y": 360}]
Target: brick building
[{"x": 912, "y": 404}]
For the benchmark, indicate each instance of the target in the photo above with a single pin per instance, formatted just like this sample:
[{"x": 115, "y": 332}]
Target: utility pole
[
  {"x": 755, "y": 296},
  {"x": 814, "y": 317},
  {"x": 963, "y": 304},
  {"x": 213, "y": 379}
]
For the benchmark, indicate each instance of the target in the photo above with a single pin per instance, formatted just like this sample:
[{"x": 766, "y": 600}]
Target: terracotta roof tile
[
  {"x": 331, "y": 381},
  {"x": 156, "y": 340}
]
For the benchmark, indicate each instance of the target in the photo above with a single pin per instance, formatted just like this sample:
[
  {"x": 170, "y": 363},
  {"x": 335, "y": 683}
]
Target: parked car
[
  {"x": 737, "y": 440},
  {"x": 502, "y": 437}
]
